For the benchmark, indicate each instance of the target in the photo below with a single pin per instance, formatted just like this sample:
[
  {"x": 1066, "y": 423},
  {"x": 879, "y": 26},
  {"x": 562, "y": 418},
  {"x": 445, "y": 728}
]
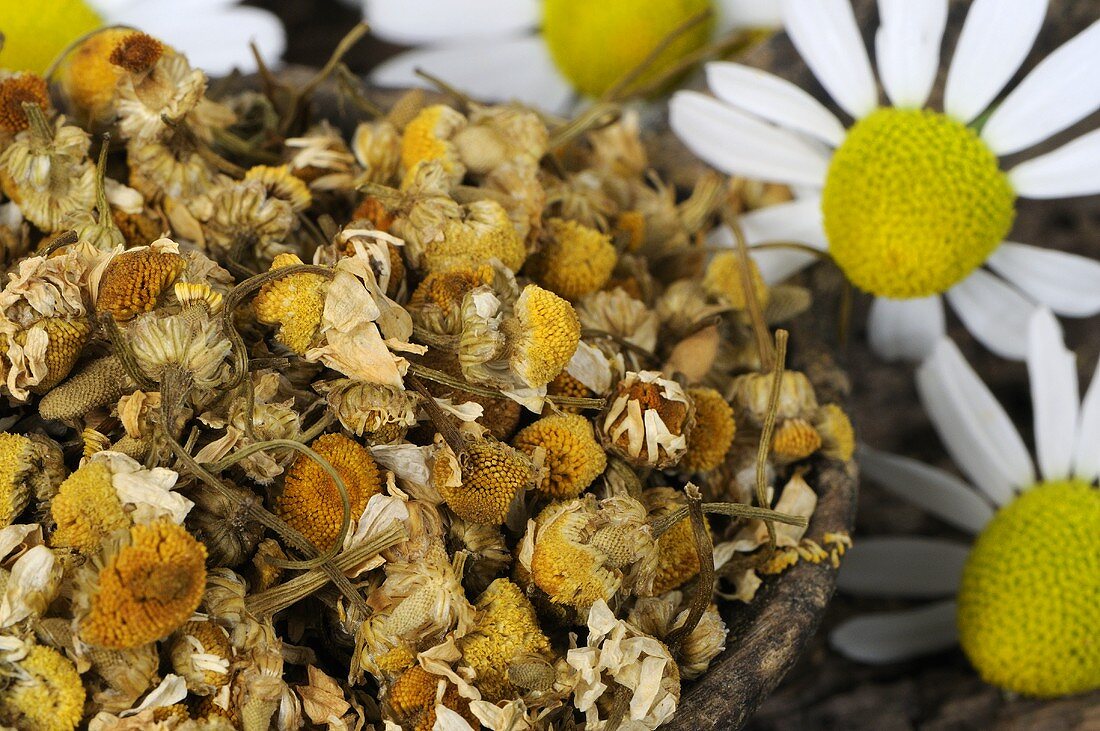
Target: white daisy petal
[
  {"x": 995, "y": 313},
  {"x": 995, "y": 40},
  {"x": 739, "y": 144},
  {"x": 1052, "y": 372},
  {"x": 907, "y": 48},
  {"x": 933, "y": 490},
  {"x": 912, "y": 567},
  {"x": 475, "y": 69},
  {"x": 905, "y": 329},
  {"x": 827, "y": 37},
  {"x": 734, "y": 14},
  {"x": 974, "y": 428},
  {"x": 895, "y": 636},
  {"x": 1086, "y": 463},
  {"x": 1063, "y": 89},
  {"x": 414, "y": 22},
  {"x": 1066, "y": 283},
  {"x": 1072, "y": 169},
  {"x": 774, "y": 99},
  {"x": 796, "y": 221}
]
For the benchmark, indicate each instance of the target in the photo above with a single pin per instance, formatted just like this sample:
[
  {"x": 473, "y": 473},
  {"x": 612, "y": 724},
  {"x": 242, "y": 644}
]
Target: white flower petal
[
  {"x": 933, "y": 490},
  {"x": 907, "y": 48},
  {"x": 740, "y": 144},
  {"x": 414, "y": 22},
  {"x": 1072, "y": 169},
  {"x": 1052, "y": 371},
  {"x": 995, "y": 40},
  {"x": 905, "y": 329},
  {"x": 1063, "y": 89},
  {"x": 774, "y": 99},
  {"x": 895, "y": 636},
  {"x": 476, "y": 69},
  {"x": 913, "y": 567},
  {"x": 1086, "y": 463},
  {"x": 1066, "y": 283},
  {"x": 796, "y": 221},
  {"x": 974, "y": 428},
  {"x": 994, "y": 312},
  {"x": 827, "y": 37},
  {"x": 734, "y": 14}
]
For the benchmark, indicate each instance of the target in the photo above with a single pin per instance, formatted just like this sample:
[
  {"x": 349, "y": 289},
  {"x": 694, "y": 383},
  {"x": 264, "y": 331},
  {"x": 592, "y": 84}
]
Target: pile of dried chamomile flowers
[{"x": 445, "y": 420}]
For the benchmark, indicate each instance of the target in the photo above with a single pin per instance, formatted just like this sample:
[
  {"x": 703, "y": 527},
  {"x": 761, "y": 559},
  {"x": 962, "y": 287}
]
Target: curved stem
[
  {"x": 662, "y": 525},
  {"x": 704, "y": 592},
  {"x": 766, "y": 437},
  {"x": 457, "y": 383}
]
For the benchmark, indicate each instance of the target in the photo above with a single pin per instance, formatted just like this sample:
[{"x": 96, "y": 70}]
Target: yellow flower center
[
  {"x": 1029, "y": 603},
  {"x": 913, "y": 202},
  {"x": 35, "y": 35},
  {"x": 595, "y": 44}
]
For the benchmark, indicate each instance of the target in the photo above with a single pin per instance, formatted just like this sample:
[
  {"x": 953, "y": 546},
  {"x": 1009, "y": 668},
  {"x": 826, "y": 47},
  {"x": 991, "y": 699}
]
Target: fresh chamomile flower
[
  {"x": 580, "y": 47},
  {"x": 909, "y": 201},
  {"x": 1022, "y": 600},
  {"x": 214, "y": 34}
]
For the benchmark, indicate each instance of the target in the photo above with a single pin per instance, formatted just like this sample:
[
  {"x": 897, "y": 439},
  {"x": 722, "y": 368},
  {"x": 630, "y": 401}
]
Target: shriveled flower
[
  {"x": 483, "y": 231},
  {"x": 97, "y": 383},
  {"x": 482, "y": 482},
  {"x": 379, "y": 412},
  {"x": 413, "y": 698},
  {"x": 658, "y": 616},
  {"x": 724, "y": 281},
  {"x": 147, "y": 587},
  {"x": 499, "y": 134},
  {"x": 795, "y": 439},
  {"x": 321, "y": 158},
  {"x": 436, "y": 303},
  {"x": 224, "y": 525},
  {"x": 31, "y": 585},
  {"x": 44, "y": 690},
  {"x": 573, "y": 459},
  {"x": 247, "y": 221},
  {"x": 173, "y": 168},
  {"x": 310, "y": 501},
  {"x": 621, "y": 315},
  {"x": 487, "y": 553},
  {"x": 28, "y": 466},
  {"x": 428, "y": 137},
  {"x": 751, "y": 394},
  {"x": 838, "y": 439},
  {"x": 294, "y": 303},
  {"x": 573, "y": 260},
  {"x": 713, "y": 433},
  {"x": 648, "y": 420},
  {"x": 134, "y": 280},
  {"x": 17, "y": 89},
  {"x": 678, "y": 555},
  {"x": 377, "y": 148},
  {"x": 201, "y": 654},
  {"x": 189, "y": 342},
  {"x": 281, "y": 184}
]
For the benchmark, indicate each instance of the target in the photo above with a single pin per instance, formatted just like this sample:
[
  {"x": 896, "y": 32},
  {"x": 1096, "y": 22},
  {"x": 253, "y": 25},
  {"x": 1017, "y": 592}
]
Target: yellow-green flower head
[
  {"x": 573, "y": 260},
  {"x": 42, "y": 691},
  {"x": 574, "y": 459},
  {"x": 1029, "y": 614}
]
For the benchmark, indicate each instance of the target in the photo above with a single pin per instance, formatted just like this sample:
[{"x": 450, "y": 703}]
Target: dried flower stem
[
  {"x": 58, "y": 240},
  {"x": 446, "y": 379},
  {"x": 704, "y": 592},
  {"x": 766, "y": 437},
  {"x": 662, "y": 525},
  {"x": 443, "y": 86},
  {"x": 442, "y": 422},
  {"x": 600, "y": 114},
  {"x": 301, "y": 95},
  {"x": 752, "y": 304}
]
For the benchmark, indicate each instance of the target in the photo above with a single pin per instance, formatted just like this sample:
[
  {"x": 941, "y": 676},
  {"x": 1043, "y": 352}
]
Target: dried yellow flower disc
[
  {"x": 282, "y": 184},
  {"x": 485, "y": 233},
  {"x": 294, "y": 303},
  {"x": 134, "y": 280},
  {"x": 200, "y": 654},
  {"x": 492, "y": 474},
  {"x": 565, "y": 565},
  {"x": 137, "y": 52},
  {"x": 545, "y": 337},
  {"x": 16, "y": 454},
  {"x": 678, "y": 557},
  {"x": 87, "y": 509},
  {"x": 147, "y": 589},
  {"x": 310, "y": 501},
  {"x": 428, "y": 137},
  {"x": 574, "y": 259},
  {"x": 574, "y": 459},
  {"x": 795, "y": 439},
  {"x": 45, "y": 693},
  {"x": 647, "y": 421},
  {"x": 66, "y": 340},
  {"x": 838, "y": 438},
  {"x": 713, "y": 433},
  {"x": 723, "y": 279},
  {"x": 412, "y": 699},
  {"x": 17, "y": 90}
]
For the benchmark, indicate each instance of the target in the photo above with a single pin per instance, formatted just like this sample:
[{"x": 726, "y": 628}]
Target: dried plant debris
[{"x": 450, "y": 421}]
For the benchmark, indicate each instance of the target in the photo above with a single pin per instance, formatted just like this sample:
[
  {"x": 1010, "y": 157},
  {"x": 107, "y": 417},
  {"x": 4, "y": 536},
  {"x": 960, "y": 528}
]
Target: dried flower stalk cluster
[{"x": 449, "y": 422}]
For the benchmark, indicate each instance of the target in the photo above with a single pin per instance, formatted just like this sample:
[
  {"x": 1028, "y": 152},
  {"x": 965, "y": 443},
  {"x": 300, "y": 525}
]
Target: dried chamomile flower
[
  {"x": 248, "y": 221},
  {"x": 201, "y": 654},
  {"x": 507, "y": 630},
  {"x": 413, "y": 698},
  {"x": 713, "y": 433},
  {"x": 223, "y": 524},
  {"x": 724, "y": 280},
  {"x": 793, "y": 440},
  {"x": 751, "y": 394},
  {"x": 294, "y": 303},
  {"x": 516, "y": 185},
  {"x": 148, "y": 586},
  {"x": 377, "y": 148},
  {"x": 573, "y": 460},
  {"x": 28, "y": 466},
  {"x": 487, "y": 554},
  {"x": 428, "y": 137},
  {"x": 647, "y": 421},
  {"x": 421, "y": 599},
  {"x": 310, "y": 501},
  {"x": 321, "y": 158},
  {"x": 683, "y": 305},
  {"x": 46, "y": 171},
  {"x": 436, "y": 303},
  {"x": 98, "y": 383},
  {"x": 17, "y": 89},
  {"x": 481, "y": 484},
  {"x": 573, "y": 260},
  {"x": 381, "y": 413},
  {"x": 43, "y": 689},
  {"x": 658, "y": 616},
  {"x": 678, "y": 557},
  {"x": 620, "y": 315},
  {"x": 88, "y": 78},
  {"x": 500, "y": 416},
  {"x": 619, "y": 658},
  {"x": 127, "y": 674},
  {"x": 482, "y": 232},
  {"x": 134, "y": 280},
  {"x": 499, "y": 134},
  {"x": 31, "y": 585},
  {"x": 173, "y": 169},
  {"x": 282, "y": 184},
  {"x": 838, "y": 439},
  {"x": 191, "y": 343}
]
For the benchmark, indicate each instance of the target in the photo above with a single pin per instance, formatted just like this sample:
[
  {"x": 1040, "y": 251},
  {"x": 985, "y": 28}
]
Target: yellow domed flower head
[
  {"x": 282, "y": 184},
  {"x": 43, "y": 691},
  {"x": 28, "y": 465},
  {"x": 647, "y": 421},
  {"x": 87, "y": 509},
  {"x": 15, "y": 91},
  {"x": 411, "y": 699},
  {"x": 507, "y": 629},
  {"x": 678, "y": 560},
  {"x": 428, "y": 137},
  {"x": 133, "y": 281},
  {"x": 148, "y": 587},
  {"x": 200, "y": 652},
  {"x": 294, "y": 303},
  {"x": 838, "y": 438},
  {"x": 485, "y": 232},
  {"x": 574, "y": 459},
  {"x": 136, "y": 52},
  {"x": 543, "y": 337},
  {"x": 595, "y": 45},
  {"x": 491, "y": 474},
  {"x": 1027, "y": 609},
  {"x": 723, "y": 280},
  {"x": 66, "y": 338},
  {"x": 436, "y": 303},
  {"x": 795, "y": 439},
  {"x": 310, "y": 501},
  {"x": 573, "y": 260},
  {"x": 88, "y": 77},
  {"x": 713, "y": 433}
]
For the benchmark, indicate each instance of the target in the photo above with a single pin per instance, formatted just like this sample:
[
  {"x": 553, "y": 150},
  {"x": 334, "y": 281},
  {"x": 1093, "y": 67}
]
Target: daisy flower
[
  {"x": 543, "y": 53},
  {"x": 213, "y": 34},
  {"x": 911, "y": 202},
  {"x": 1023, "y": 600}
]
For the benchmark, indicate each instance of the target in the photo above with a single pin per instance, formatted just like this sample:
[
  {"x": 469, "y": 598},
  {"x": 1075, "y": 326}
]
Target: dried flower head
[
  {"x": 795, "y": 439},
  {"x": 724, "y": 281},
  {"x": 647, "y": 421},
  {"x": 310, "y": 501},
  {"x": 489, "y": 476},
  {"x": 87, "y": 509},
  {"x": 136, "y": 52},
  {"x": 499, "y": 135},
  {"x": 618, "y": 313},
  {"x": 573, "y": 259},
  {"x": 678, "y": 559},
  {"x": 88, "y": 79},
  {"x": 658, "y": 616},
  {"x": 436, "y": 303},
  {"x": 838, "y": 439},
  {"x": 190, "y": 342},
  {"x": 201, "y": 654},
  {"x": 28, "y": 466},
  {"x": 381, "y": 413},
  {"x": 713, "y": 433},
  {"x": 294, "y": 303},
  {"x": 96, "y": 384},
  {"x": 15, "y": 91},
  {"x": 134, "y": 280},
  {"x": 43, "y": 690},
  {"x": 282, "y": 184},
  {"x": 482, "y": 233},
  {"x": 752, "y": 392},
  {"x": 248, "y": 221},
  {"x": 147, "y": 587},
  {"x": 573, "y": 460},
  {"x": 413, "y": 697},
  {"x": 428, "y": 138}
]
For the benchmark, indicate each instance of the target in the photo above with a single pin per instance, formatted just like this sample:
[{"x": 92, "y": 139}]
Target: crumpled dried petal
[{"x": 647, "y": 421}]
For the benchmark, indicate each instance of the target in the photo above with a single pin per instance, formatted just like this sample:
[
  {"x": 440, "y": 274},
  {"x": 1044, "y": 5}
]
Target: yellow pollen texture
[
  {"x": 595, "y": 44},
  {"x": 35, "y": 35},
  {"x": 914, "y": 201},
  {"x": 1029, "y": 602}
]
